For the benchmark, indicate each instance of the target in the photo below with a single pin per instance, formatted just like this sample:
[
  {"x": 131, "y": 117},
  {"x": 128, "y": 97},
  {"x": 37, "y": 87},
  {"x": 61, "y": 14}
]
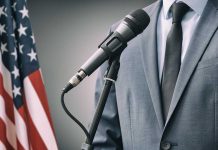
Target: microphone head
[{"x": 137, "y": 21}]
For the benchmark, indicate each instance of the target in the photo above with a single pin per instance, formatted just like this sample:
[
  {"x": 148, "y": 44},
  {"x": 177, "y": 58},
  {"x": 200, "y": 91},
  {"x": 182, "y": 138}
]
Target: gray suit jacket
[{"x": 133, "y": 120}]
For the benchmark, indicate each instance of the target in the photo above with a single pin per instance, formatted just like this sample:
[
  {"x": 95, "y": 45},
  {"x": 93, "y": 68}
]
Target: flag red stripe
[
  {"x": 19, "y": 146},
  {"x": 3, "y": 137},
  {"x": 35, "y": 109},
  {"x": 35, "y": 139},
  {"x": 37, "y": 83},
  {"x": 22, "y": 113},
  {"x": 9, "y": 107}
]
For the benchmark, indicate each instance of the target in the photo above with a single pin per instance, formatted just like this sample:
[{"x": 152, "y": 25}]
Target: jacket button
[{"x": 165, "y": 145}]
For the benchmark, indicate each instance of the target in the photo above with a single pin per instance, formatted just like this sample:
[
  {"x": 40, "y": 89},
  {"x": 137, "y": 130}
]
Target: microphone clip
[{"x": 113, "y": 45}]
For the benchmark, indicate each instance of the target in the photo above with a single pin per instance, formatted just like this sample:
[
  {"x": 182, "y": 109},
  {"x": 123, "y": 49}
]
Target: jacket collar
[{"x": 195, "y": 5}]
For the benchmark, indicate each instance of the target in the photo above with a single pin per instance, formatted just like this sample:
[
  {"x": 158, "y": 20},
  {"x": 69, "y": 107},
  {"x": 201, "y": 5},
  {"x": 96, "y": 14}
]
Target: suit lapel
[
  {"x": 208, "y": 24},
  {"x": 149, "y": 59}
]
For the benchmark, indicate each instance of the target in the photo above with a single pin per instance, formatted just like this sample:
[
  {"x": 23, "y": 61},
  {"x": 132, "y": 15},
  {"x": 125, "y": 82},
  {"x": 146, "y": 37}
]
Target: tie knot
[{"x": 178, "y": 11}]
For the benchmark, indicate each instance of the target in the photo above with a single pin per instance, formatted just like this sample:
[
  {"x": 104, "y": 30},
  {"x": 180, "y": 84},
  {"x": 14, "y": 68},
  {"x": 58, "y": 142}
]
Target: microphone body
[{"x": 114, "y": 44}]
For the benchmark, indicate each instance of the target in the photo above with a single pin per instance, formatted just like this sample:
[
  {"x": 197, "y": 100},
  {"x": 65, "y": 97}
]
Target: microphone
[{"x": 132, "y": 25}]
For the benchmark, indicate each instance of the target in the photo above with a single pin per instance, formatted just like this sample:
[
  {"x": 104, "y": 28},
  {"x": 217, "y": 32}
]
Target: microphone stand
[{"x": 110, "y": 78}]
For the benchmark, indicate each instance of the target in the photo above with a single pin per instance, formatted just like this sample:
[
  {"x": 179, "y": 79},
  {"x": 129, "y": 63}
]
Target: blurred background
[{"x": 67, "y": 32}]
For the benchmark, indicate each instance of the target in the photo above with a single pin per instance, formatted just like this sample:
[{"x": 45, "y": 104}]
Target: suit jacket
[{"x": 133, "y": 119}]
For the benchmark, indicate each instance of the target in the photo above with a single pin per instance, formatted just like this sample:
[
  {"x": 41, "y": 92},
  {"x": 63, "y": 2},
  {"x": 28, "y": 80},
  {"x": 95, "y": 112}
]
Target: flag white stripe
[
  {"x": 20, "y": 124},
  {"x": 10, "y": 128},
  {"x": 38, "y": 115},
  {"x": 31, "y": 147},
  {"x": 6, "y": 78},
  {"x": 41, "y": 75},
  {"x": 2, "y": 146},
  {"x": 21, "y": 130}
]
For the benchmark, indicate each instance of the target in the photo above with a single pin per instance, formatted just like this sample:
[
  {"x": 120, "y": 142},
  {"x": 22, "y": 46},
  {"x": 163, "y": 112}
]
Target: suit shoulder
[
  {"x": 148, "y": 9},
  {"x": 152, "y": 7}
]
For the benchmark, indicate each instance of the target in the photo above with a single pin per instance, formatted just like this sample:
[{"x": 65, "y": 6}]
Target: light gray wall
[{"x": 67, "y": 32}]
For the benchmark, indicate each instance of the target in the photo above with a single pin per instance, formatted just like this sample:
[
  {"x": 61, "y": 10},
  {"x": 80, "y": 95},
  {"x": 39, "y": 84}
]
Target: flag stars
[
  {"x": 16, "y": 91},
  {"x": 13, "y": 35},
  {"x": 22, "y": 30},
  {"x": 24, "y": 12},
  {"x": 5, "y": 11},
  {"x": 33, "y": 38},
  {"x": 15, "y": 72},
  {"x": 2, "y": 11},
  {"x": 14, "y": 6},
  {"x": 21, "y": 48},
  {"x": 2, "y": 29},
  {"x": 14, "y": 54},
  {"x": 14, "y": 24},
  {"x": 32, "y": 55},
  {"x": 3, "y": 48}
]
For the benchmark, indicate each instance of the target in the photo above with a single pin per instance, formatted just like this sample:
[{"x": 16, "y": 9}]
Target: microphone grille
[{"x": 137, "y": 20}]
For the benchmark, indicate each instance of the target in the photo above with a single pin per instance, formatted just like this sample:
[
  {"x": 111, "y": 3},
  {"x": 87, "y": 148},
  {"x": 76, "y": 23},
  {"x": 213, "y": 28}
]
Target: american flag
[{"x": 25, "y": 122}]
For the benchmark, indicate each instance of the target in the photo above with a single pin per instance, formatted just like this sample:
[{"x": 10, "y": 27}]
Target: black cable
[{"x": 74, "y": 119}]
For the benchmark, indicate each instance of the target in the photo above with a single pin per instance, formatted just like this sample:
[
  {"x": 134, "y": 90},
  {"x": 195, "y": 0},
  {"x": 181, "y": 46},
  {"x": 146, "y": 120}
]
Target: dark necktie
[{"x": 172, "y": 59}]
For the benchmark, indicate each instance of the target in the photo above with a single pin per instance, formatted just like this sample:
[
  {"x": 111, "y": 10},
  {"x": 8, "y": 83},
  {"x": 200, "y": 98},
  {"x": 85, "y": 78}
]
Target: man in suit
[{"x": 158, "y": 102}]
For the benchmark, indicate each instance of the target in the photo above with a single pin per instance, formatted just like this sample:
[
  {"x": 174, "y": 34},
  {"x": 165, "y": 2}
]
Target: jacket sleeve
[{"x": 108, "y": 135}]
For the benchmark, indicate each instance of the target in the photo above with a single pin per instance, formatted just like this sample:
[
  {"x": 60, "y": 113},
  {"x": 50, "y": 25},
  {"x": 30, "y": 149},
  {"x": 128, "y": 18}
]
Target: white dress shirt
[{"x": 189, "y": 24}]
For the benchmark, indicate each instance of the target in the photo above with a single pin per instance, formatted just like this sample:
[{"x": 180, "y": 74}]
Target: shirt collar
[{"x": 195, "y": 5}]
